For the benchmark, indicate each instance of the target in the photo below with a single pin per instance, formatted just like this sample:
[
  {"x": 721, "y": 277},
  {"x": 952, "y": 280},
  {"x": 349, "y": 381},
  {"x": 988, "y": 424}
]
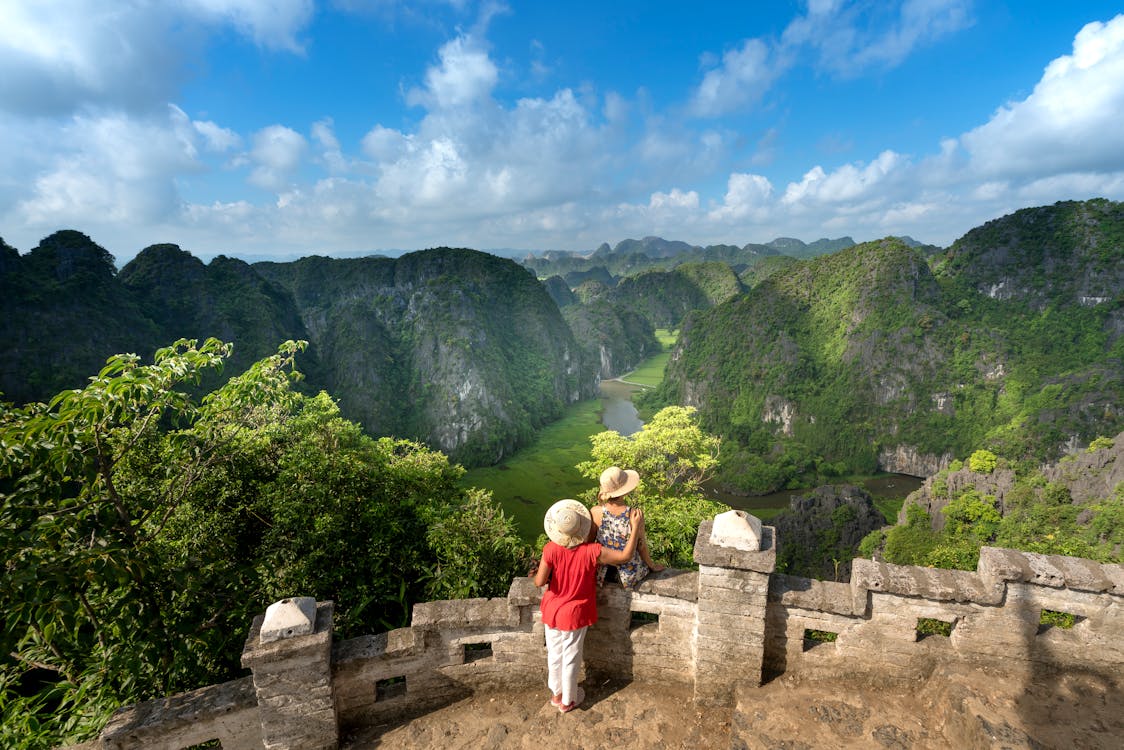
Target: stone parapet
[
  {"x": 761, "y": 561},
  {"x": 720, "y": 629},
  {"x": 293, "y": 682},
  {"x": 227, "y": 713}
]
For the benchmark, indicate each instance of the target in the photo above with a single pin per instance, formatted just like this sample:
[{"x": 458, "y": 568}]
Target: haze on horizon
[{"x": 282, "y": 128}]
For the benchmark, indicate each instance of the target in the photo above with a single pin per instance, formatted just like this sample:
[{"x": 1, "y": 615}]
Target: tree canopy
[{"x": 144, "y": 525}]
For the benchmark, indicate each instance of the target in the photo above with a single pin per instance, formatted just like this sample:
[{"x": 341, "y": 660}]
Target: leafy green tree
[
  {"x": 88, "y": 601},
  {"x": 143, "y": 527},
  {"x": 982, "y": 462},
  {"x": 674, "y": 457}
]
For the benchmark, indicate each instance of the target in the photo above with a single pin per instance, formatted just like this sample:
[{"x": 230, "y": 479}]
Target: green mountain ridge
[
  {"x": 421, "y": 346},
  {"x": 1010, "y": 339}
]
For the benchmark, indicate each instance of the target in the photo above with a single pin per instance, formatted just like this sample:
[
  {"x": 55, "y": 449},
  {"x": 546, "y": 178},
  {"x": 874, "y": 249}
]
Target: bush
[{"x": 983, "y": 462}]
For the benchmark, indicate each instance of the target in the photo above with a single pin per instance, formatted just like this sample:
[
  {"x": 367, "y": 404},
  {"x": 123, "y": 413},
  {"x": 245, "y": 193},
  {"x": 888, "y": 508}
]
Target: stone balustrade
[{"x": 724, "y": 627}]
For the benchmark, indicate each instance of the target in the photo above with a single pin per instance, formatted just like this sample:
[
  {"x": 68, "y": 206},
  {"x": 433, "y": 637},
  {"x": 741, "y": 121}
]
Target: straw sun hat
[
  {"x": 616, "y": 481},
  {"x": 567, "y": 523}
]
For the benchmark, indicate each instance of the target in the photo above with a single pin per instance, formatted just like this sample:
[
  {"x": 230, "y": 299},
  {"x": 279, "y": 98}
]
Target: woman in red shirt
[{"x": 569, "y": 606}]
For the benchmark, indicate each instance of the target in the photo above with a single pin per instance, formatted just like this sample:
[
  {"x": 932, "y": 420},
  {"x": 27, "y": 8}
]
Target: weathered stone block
[
  {"x": 289, "y": 617},
  {"x": 737, "y": 529},
  {"x": 708, "y": 553}
]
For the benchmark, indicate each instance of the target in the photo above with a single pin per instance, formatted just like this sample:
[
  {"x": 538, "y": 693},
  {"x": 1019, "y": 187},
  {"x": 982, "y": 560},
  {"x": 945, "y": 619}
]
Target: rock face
[
  {"x": 906, "y": 459},
  {"x": 886, "y": 357},
  {"x": 1087, "y": 476},
  {"x": 819, "y": 532},
  {"x": 459, "y": 349}
]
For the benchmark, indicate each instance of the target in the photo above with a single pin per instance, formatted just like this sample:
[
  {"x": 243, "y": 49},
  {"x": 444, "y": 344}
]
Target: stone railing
[{"x": 724, "y": 626}]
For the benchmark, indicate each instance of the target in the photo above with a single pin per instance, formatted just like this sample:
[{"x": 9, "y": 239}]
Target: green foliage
[
  {"x": 1055, "y": 619},
  {"x": 872, "y": 543},
  {"x": 911, "y": 543},
  {"x": 932, "y": 626},
  {"x": 144, "y": 527},
  {"x": 982, "y": 462},
  {"x": 859, "y": 346},
  {"x": 1099, "y": 443},
  {"x": 820, "y": 636},
  {"x": 972, "y": 514},
  {"x": 674, "y": 456},
  {"x": 477, "y": 549}
]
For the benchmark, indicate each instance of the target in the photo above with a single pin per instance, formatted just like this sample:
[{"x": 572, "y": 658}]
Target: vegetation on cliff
[
  {"x": 1012, "y": 340},
  {"x": 419, "y": 347},
  {"x": 142, "y": 528},
  {"x": 1074, "y": 507}
]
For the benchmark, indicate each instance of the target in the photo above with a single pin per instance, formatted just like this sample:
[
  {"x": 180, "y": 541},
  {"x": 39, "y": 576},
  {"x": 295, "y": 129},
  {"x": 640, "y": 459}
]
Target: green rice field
[
  {"x": 650, "y": 371},
  {"x": 529, "y": 482}
]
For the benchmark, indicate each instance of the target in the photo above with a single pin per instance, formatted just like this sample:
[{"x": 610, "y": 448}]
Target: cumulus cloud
[
  {"x": 59, "y": 56},
  {"x": 270, "y": 23},
  {"x": 743, "y": 77},
  {"x": 112, "y": 168},
  {"x": 464, "y": 75},
  {"x": 276, "y": 154},
  {"x": 747, "y": 196},
  {"x": 1069, "y": 123}
]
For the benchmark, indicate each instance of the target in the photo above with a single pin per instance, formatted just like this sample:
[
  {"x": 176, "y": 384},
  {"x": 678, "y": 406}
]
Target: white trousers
[{"x": 564, "y": 661}]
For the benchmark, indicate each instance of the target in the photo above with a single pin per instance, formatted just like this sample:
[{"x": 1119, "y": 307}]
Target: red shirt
[{"x": 570, "y": 601}]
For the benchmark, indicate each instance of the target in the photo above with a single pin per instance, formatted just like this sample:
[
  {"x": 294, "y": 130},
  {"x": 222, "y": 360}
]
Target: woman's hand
[{"x": 636, "y": 519}]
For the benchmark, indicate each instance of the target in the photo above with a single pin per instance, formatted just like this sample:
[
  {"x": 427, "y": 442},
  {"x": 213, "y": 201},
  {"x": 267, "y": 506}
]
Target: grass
[
  {"x": 889, "y": 507},
  {"x": 536, "y": 477},
  {"x": 650, "y": 371}
]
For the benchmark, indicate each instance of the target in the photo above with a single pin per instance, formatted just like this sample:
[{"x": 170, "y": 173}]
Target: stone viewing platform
[{"x": 733, "y": 655}]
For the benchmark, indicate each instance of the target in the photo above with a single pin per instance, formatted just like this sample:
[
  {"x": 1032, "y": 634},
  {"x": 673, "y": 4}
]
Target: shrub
[{"x": 982, "y": 462}]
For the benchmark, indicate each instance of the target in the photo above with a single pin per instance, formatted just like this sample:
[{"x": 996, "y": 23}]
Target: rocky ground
[{"x": 947, "y": 710}]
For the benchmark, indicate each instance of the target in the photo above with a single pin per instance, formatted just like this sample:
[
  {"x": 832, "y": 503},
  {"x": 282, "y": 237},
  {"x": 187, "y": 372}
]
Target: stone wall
[
  {"x": 717, "y": 630},
  {"x": 995, "y": 616}
]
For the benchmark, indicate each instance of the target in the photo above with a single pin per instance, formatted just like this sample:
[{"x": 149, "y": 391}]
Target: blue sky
[{"x": 282, "y": 128}]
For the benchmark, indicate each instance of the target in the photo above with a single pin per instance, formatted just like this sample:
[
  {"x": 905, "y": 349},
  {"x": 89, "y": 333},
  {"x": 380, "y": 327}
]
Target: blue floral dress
[{"x": 613, "y": 533}]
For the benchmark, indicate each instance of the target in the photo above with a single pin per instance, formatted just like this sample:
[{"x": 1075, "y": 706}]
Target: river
[{"x": 619, "y": 413}]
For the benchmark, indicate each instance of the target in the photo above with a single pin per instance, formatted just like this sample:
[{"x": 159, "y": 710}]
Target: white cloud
[
  {"x": 112, "y": 169},
  {"x": 747, "y": 196},
  {"x": 465, "y": 75},
  {"x": 1071, "y": 122},
  {"x": 276, "y": 154},
  {"x": 270, "y": 23},
  {"x": 60, "y": 56},
  {"x": 743, "y": 77},
  {"x": 849, "y": 182},
  {"x": 217, "y": 138},
  {"x": 845, "y": 38}
]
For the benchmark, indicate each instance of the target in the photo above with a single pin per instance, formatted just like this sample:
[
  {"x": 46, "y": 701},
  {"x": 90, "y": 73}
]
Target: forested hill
[
  {"x": 422, "y": 346},
  {"x": 458, "y": 346},
  {"x": 1012, "y": 339}
]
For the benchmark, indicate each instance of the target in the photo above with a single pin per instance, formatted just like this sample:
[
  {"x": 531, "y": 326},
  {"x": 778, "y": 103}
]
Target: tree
[
  {"x": 144, "y": 526},
  {"x": 674, "y": 457},
  {"x": 88, "y": 604}
]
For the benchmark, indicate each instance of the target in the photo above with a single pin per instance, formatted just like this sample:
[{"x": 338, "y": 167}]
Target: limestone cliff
[{"x": 883, "y": 357}]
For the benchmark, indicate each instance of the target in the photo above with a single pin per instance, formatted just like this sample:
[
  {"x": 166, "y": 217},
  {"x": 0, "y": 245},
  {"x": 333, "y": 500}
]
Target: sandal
[{"x": 567, "y": 708}]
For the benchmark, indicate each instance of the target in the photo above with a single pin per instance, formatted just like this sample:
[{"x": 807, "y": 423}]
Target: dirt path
[
  {"x": 614, "y": 716},
  {"x": 961, "y": 709}
]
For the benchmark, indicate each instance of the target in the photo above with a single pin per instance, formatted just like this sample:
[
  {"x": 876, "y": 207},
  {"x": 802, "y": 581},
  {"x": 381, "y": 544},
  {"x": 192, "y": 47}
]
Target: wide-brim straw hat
[
  {"x": 567, "y": 523},
  {"x": 616, "y": 481}
]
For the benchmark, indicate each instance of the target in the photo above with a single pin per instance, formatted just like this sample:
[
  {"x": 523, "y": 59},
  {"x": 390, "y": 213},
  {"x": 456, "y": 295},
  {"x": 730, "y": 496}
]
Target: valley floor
[{"x": 950, "y": 709}]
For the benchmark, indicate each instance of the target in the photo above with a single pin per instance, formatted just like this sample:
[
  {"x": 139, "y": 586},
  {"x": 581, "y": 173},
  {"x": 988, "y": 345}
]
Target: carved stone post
[
  {"x": 290, "y": 652},
  {"x": 735, "y": 556}
]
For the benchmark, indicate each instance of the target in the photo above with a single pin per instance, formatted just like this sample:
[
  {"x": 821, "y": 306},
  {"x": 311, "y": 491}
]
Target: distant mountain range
[{"x": 810, "y": 360}]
